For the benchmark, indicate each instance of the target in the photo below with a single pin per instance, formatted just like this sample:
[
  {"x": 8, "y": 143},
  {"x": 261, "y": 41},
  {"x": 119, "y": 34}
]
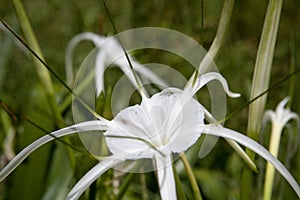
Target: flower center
[{"x": 162, "y": 123}]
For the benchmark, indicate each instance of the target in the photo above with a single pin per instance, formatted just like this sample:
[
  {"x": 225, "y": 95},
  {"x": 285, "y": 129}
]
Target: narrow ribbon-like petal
[
  {"x": 257, "y": 148},
  {"x": 91, "y": 176},
  {"x": 204, "y": 79},
  {"x": 85, "y": 126},
  {"x": 282, "y": 115},
  {"x": 96, "y": 39},
  {"x": 99, "y": 72},
  {"x": 165, "y": 177},
  {"x": 207, "y": 147}
]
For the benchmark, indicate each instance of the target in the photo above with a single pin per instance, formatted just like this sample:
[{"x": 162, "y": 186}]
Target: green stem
[
  {"x": 270, "y": 170},
  {"x": 43, "y": 74},
  {"x": 261, "y": 79},
  {"x": 191, "y": 176}
]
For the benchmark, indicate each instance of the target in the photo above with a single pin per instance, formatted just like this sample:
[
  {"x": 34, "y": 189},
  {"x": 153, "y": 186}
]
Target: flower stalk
[
  {"x": 279, "y": 120},
  {"x": 270, "y": 171},
  {"x": 191, "y": 176}
]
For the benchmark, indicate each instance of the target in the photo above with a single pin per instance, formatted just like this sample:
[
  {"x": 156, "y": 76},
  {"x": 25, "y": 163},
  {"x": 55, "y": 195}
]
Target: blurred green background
[{"x": 55, "y": 22}]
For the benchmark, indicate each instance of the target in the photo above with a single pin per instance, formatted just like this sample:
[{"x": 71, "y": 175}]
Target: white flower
[
  {"x": 168, "y": 122},
  {"x": 162, "y": 121},
  {"x": 281, "y": 116},
  {"x": 107, "y": 54},
  {"x": 279, "y": 119},
  {"x": 110, "y": 51}
]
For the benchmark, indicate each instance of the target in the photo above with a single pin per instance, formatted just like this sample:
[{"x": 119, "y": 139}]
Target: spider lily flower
[
  {"x": 281, "y": 116},
  {"x": 105, "y": 56},
  {"x": 279, "y": 120},
  {"x": 169, "y": 122}
]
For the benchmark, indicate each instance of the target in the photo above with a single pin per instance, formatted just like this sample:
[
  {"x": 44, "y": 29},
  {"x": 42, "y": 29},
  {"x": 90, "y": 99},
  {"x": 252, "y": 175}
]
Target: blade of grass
[
  {"x": 261, "y": 79},
  {"x": 42, "y": 72},
  {"x": 206, "y": 65}
]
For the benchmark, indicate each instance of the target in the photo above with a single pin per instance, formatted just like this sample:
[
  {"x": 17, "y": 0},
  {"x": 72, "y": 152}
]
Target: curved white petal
[
  {"x": 205, "y": 78},
  {"x": 91, "y": 176},
  {"x": 257, "y": 148},
  {"x": 238, "y": 149},
  {"x": 111, "y": 52},
  {"x": 165, "y": 177},
  {"x": 129, "y": 133},
  {"x": 183, "y": 130},
  {"x": 207, "y": 147},
  {"x": 282, "y": 115},
  {"x": 281, "y": 105},
  {"x": 85, "y": 126},
  {"x": 96, "y": 39},
  {"x": 269, "y": 115}
]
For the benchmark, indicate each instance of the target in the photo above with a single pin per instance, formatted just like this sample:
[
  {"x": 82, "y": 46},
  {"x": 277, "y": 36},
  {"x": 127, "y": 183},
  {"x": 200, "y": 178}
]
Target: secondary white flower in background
[
  {"x": 168, "y": 122},
  {"x": 106, "y": 55},
  {"x": 279, "y": 120}
]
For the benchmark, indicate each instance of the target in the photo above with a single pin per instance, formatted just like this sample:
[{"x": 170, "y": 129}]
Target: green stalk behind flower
[{"x": 261, "y": 79}]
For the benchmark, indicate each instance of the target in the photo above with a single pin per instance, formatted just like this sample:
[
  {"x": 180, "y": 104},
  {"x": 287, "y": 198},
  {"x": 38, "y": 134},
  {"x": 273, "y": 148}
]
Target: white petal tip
[{"x": 233, "y": 95}]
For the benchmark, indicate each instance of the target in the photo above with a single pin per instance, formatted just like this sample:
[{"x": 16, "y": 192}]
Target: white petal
[
  {"x": 185, "y": 133},
  {"x": 165, "y": 177},
  {"x": 282, "y": 115},
  {"x": 257, "y": 148},
  {"x": 174, "y": 118},
  {"x": 205, "y": 78},
  {"x": 115, "y": 54},
  {"x": 281, "y": 105},
  {"x": 72, "y": 44},
  {"x": 91, "y": 176},
  {"x": 85, "y": 126},
  {"x": 131, "y": 128},
  {"x": 269, "y": 115},
  {"x": 99, "y": 72},
  {"x": 207, "y": 147}
]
